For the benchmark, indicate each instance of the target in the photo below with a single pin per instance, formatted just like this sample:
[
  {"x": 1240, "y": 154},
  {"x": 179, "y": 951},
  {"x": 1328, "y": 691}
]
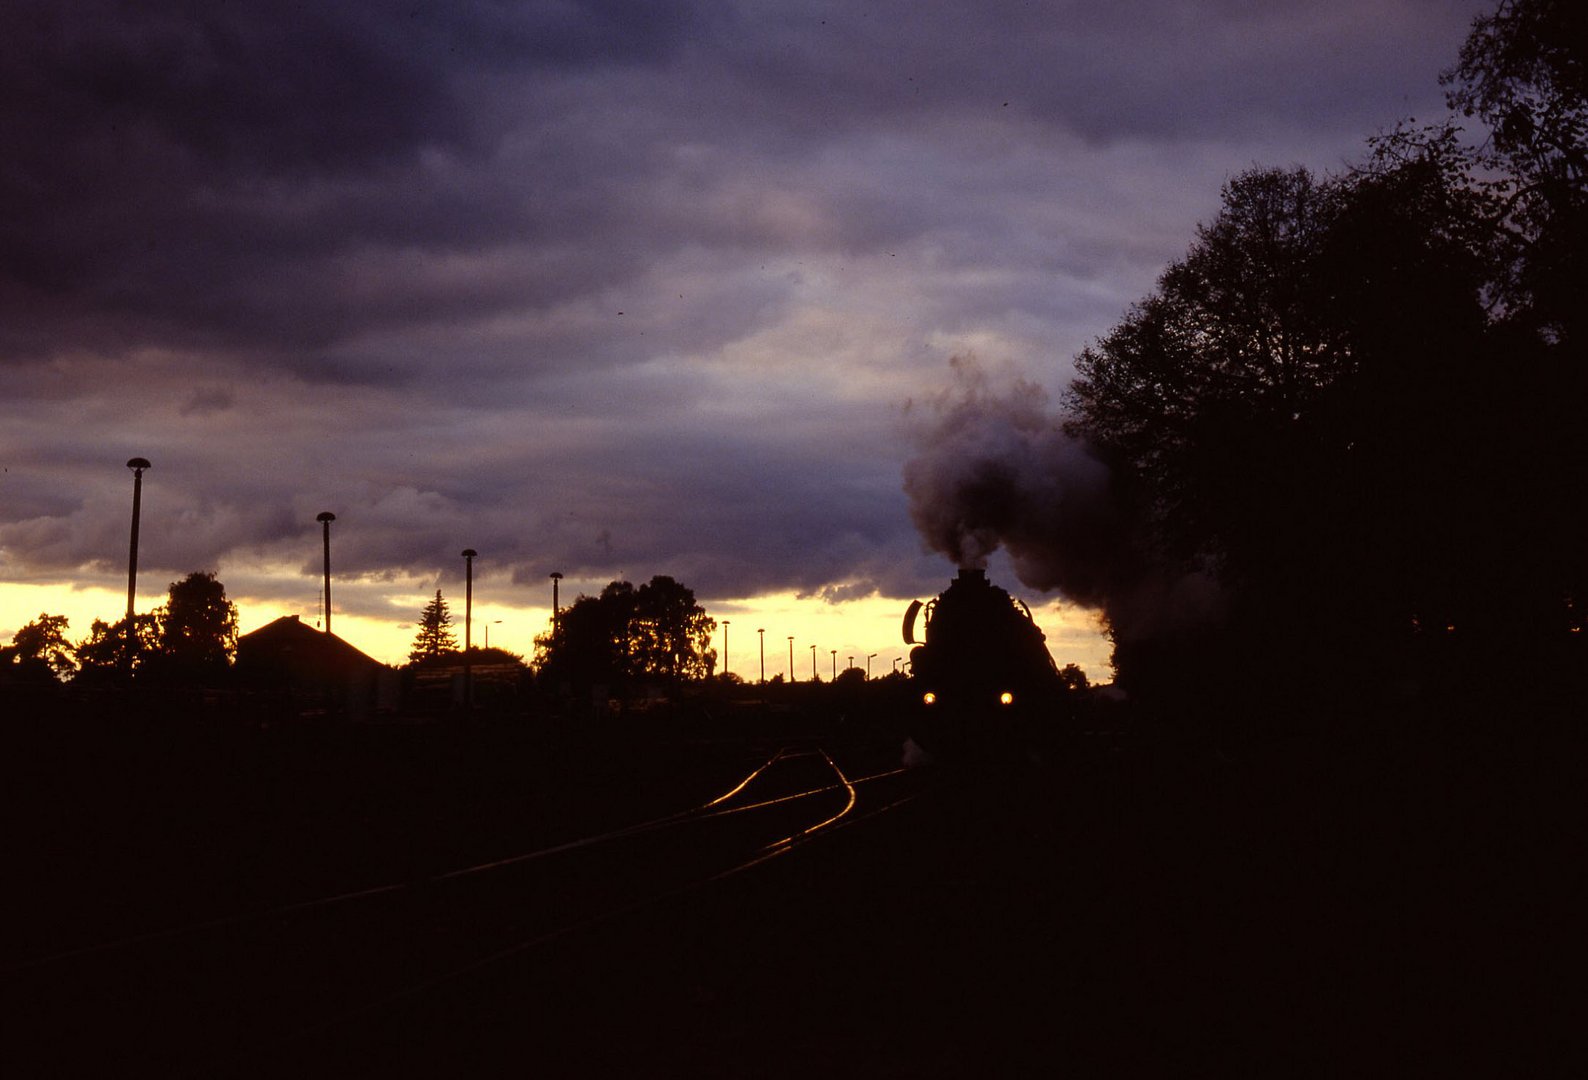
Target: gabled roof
[{"x": 287, "y": 644}]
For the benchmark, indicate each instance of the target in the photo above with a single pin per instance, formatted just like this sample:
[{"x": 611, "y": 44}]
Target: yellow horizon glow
[{"x": 867, "y": 627}]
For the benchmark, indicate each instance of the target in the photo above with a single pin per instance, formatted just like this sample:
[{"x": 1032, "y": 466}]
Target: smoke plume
[{"x": 994, "y": 469}]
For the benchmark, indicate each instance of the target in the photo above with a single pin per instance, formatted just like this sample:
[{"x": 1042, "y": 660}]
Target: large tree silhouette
[
  {"x": 657, "y": 631},
  {"x": 1316, "y": 407},
  {"x": 669, "y": 634},
  {"x": 198, "y": 630}
]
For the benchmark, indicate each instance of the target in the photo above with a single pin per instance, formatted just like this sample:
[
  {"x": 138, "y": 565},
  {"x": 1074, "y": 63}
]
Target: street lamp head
[
  {"x": 556, "y": 575},
  {"x": 325, "y": 515},
  {"x": 469, "y": 553},
  {"x": 139, "y": 463}
]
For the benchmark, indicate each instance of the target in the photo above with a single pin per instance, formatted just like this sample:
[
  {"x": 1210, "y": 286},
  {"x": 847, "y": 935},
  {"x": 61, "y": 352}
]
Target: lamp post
[
  {"x": 137, "y": 465},
  {"x": 725, "y": 624},
  {"x": 555, "y": 577},
  {"x": 868, "y": 667},
  {"x": 835, "y": 663},
  {"x": 325, "y": 517},
  {"x": 762, "y": 631},
  {"x": 813, "y": 663},
  {"x": 850, "y": 664},
  {"x": 468, "y": 619},
  {"x": 791, "y": 678}
]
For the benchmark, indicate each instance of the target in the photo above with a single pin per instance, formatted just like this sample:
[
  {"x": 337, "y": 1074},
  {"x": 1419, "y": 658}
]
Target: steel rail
[
  {"x": 706, "y": 811},
  {"x": 765, "y": 854}
]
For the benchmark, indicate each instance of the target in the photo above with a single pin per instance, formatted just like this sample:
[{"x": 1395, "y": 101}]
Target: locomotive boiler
[{"x": 984, "y": 679}]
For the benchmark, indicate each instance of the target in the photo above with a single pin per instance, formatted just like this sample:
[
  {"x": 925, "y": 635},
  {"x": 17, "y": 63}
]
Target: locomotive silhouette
[{"x": 985, "y": 681}]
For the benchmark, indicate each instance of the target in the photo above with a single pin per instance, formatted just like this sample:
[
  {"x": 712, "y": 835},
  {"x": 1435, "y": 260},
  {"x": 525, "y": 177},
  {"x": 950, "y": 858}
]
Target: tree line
[
  {"x": 656, "y": 631},
  {"x": 1357, "y": 402},
  {"x": 190, "y": 639}
]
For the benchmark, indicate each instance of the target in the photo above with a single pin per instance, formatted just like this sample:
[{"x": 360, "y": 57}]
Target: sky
[{"x": 609, "y": 289}]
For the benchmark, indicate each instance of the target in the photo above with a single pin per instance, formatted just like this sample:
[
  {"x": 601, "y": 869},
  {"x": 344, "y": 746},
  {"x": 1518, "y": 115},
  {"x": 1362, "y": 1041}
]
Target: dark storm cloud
[
  {"x": 596, "y": 286},
  {"x": 204, "y": 173}
]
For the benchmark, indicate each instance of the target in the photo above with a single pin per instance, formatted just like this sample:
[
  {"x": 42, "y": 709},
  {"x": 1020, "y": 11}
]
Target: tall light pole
[
  {"x": 325, "y": 517},
  {"x": 813, "y": 663},
  {"x": 868, "y": 667},
  {"x": 137, "y": 465},
  {"x": 725, "y": 624},
  {"x": 791, "y": 678},
  {"x": 761, "y": 630},
  {"x": 555, "y": 578},
  {"x": 835, "y": 663},
  {"x": 468, "y": 596},
  {"x": 468, "y": 619}
]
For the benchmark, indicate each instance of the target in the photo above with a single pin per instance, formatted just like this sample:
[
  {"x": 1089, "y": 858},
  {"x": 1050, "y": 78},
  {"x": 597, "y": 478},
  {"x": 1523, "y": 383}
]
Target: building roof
[{"x": 288, "y": 646}]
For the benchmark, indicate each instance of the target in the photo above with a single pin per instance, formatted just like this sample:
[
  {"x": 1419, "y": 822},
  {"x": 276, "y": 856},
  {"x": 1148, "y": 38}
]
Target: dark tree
[
  {"x": 657, "y": 631},
  {"x": 669, "y": 634},
  {"x": 1524, "y": 71},
  {"x": 40, "y": 650},
  {"x": 1357, "y": 402},
  {"x": 1205, "y": 392},
  {"x": 1073, "y": 677},
  {"x": 1296, "y": 408},
  {"x": 104, "y": 652},
  {"x": 198, "y": 629},
  {"x": 435, "y": 637}
]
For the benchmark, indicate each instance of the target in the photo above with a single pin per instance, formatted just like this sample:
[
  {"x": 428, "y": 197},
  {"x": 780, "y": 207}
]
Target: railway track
[{"x": 212, "y": 994}]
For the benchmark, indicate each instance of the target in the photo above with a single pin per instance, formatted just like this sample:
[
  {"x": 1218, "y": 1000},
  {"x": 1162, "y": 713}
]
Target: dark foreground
[{"x": 1389, "y": 901}]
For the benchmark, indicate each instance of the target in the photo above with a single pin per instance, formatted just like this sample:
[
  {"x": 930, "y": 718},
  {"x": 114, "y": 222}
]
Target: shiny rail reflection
[{"x": 709, "y": 810}]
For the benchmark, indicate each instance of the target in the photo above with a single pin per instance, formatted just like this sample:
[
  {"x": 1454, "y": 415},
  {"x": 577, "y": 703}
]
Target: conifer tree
[{"x": 435, "y": 637}]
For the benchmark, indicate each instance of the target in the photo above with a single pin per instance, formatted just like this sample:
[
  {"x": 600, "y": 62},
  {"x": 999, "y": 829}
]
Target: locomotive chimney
[{"x": 972, "y": 575}]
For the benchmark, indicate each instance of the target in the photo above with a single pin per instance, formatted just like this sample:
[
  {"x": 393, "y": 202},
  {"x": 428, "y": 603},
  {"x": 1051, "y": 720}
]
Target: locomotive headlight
[
  {"x": 1006, "y": 698},
  {"x": 929, "y": 698}
]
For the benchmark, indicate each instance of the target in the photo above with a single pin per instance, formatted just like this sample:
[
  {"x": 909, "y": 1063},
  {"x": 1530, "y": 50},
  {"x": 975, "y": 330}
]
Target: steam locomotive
[{"x": 986, "y": 683}]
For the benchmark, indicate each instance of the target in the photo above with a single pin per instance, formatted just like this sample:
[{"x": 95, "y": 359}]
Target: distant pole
[
  {"x": 497, "y": 622},
  {"x": 835, "y": 663},
  {"x": 137, "y": 465},
  {"x": 725, "y": 624},
  {"x": 813, "y": 663},
  {"x": 325, "y": 518},
  {"x": 791, "y": 677},
  {"x": 762, "y": 631},
  {"x": 555, "y": 577},
  {"x": 468, "y": 619},
  {"x": 868, "y": 667}
]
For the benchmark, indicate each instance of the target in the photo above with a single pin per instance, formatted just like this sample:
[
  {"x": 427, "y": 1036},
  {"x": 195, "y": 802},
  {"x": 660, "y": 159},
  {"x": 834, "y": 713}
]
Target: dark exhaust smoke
[{"x": 996, "y": 470}]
